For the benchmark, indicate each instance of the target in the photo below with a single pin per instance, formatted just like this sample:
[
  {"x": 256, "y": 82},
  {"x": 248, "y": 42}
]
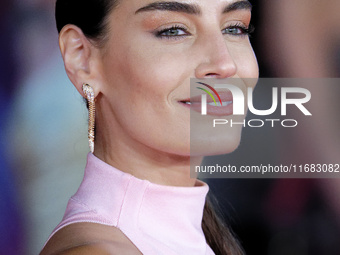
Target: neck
[{"x": 143, "y": 162}]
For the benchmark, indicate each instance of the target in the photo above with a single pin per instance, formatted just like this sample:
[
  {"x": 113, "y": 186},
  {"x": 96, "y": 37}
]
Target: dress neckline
[{"x": 150, "y": 215}]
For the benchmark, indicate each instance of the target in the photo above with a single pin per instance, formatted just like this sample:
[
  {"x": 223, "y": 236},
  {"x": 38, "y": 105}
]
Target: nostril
[{"x": 211, "y": 74}]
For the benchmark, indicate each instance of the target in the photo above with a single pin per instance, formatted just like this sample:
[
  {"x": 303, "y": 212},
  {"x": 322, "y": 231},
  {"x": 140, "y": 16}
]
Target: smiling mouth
[
  {"x": 213, "y": 108},
  {"x": 211, "y": 103}
]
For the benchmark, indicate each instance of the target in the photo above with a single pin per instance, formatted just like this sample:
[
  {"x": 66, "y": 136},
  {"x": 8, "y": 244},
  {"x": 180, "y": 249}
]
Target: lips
[{"x": 214, "y": 109}]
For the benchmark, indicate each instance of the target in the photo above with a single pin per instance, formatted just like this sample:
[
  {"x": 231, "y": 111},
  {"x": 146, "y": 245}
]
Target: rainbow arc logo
[{"x": 209, "y": 93}]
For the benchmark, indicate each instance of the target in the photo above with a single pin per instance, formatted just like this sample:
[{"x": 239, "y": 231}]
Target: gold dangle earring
[{"x": 88, "y": 91}]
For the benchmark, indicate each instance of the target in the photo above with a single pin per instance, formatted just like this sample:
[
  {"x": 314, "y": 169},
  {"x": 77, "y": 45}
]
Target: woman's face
[{"x": 152, "y": 51}]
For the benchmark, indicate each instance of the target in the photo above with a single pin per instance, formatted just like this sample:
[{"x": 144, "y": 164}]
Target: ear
[{"x": 80, "y": 58}]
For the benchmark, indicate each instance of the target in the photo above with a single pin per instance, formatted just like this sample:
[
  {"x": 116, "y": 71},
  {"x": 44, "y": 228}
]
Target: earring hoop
[{"x": 89, "y": 93}]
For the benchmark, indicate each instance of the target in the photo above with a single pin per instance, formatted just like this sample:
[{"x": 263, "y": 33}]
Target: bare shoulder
[{"x": 89, "y": 238}]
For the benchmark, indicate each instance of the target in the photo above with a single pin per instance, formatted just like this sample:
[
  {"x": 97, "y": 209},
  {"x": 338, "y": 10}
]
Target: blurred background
[{"x": 43, "y": 133}]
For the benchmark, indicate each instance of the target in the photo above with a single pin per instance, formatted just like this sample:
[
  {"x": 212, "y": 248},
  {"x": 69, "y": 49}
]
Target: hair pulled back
[{"x": 91, "y": 17}]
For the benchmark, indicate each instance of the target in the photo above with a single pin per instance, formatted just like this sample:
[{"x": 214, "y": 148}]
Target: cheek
[
  {"x": 139, "y": 74},
  {"x": 153, "y": 77},
  {"x": 145, "y": 79},
  {"x": 245, "y": 59},
  {"x": 155, "y": 69}
]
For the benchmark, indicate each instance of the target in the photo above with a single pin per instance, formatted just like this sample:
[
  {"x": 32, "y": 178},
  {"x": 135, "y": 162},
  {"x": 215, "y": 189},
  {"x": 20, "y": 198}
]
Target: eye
[
  {"x": 238, "y": 30},
  {"x": 174, "y": 31}
]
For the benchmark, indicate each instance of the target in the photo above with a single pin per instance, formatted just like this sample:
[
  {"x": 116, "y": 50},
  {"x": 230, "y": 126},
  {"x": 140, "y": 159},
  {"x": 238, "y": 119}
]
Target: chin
[{"x": 216, "y": 145}]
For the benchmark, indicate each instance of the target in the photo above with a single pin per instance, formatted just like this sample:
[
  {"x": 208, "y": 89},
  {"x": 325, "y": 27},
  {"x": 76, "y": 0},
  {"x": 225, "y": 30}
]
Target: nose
[{"x": 216, "y": 60}]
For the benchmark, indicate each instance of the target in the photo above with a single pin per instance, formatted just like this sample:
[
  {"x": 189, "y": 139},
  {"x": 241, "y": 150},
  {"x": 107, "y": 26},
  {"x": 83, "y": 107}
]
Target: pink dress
[{"x": 157, "y": 219}]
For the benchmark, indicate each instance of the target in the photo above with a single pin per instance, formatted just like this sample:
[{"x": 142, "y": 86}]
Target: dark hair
[
  {"x": 91, "y": 17},
  {"x": 218, "y": 235}
]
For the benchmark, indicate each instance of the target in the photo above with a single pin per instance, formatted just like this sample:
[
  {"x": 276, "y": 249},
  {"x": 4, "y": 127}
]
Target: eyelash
[
  {"x": 175, "y": 27},
  {"x": 245, "y": 31}
]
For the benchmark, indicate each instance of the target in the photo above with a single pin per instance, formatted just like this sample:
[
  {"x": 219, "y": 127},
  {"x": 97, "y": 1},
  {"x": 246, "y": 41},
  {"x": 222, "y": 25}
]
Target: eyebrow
[
  {"x": 191, "y": 8},
  {"x": 171, "y": 6},
  {"x": 239, "y": 5}
]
